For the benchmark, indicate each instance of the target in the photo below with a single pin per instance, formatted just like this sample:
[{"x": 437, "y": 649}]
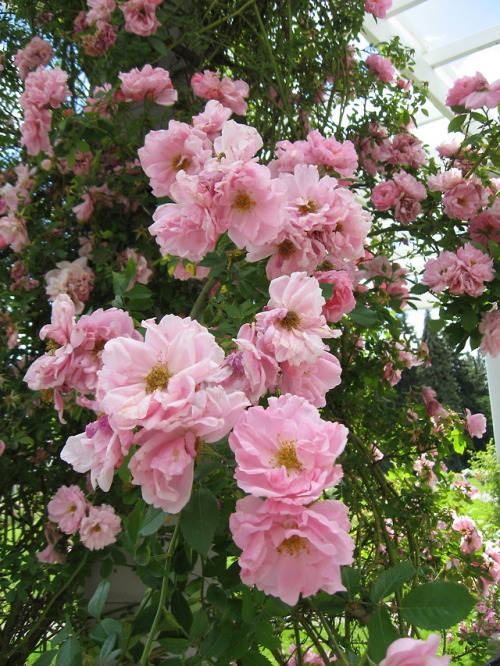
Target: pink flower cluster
[
  {"x": 229, "y": 93},
  {"x": 36, "y": 52},
  {"x": 148, "y": 83},
  {"x": 377, "y": 150},
  {"x": 155, "y": 392},
  {"x": 474, "y": 92},
  {"x": 140, "y": 16},
  {"x": 463, "y": 271},
  {"x": 75, "y": 348},
  {"x": 97, "y": 525},
  {"x": 413, "y": 652},
  {"x": 381, "y": 67},
  {"x": 43, "y": 89},
  {"x": 463, "y": 198},
  {"x": 286, "y": 211},
  {"x": 403, "y": 194},
  {"x": 472, "y": 539},
  {"x": 284, "y": 347}
]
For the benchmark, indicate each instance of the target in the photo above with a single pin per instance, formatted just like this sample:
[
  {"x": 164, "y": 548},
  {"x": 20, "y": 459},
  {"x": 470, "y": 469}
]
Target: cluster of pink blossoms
[
  {"x": 378, "y": 150},
  {"x": 378, "y": 7},
  {"x": 462, "y": 272},
  {"x": 403, "y": 194},
  {"x": 229, "y": 93},
  {"x": 286, "y": 454},
  {"x": 97, "y": 526},
  {"x": 147, "y": 83},
  {"x": 285, "y": 211},
  {"x": 73, "y": 278},
  {"x": 472, "y": 539},
  {"x": 43, "y": 89},
  {"x": 283, "y": 348},
  {"x": 381, "y": 67},
  {"x": 36, "y": 52},
  {"x": 463, "y": 197},
  {"x": 13, "y": 197}
]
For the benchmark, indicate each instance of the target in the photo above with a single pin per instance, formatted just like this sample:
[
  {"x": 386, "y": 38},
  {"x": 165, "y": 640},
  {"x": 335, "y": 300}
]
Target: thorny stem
[
  {"x": 202, "y": 298},
  {"x": 310, "y": 631}
]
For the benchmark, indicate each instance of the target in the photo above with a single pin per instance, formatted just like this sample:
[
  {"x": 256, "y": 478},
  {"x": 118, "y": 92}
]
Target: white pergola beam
[
  {"x": 463, "y": 47},
  {"x": 385, "y": 31},
  {"x": 399, "y": 6}
]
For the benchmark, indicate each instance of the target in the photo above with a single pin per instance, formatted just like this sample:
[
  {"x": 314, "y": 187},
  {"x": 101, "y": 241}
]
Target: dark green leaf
[
  {"x": 199, "y": 625},
  {"x": 327, "y": 290},
  {"x": 96, "y": 604},
  {"x": 46, "y": 658},
  {"x": 419, "y": 289},
  {"x": 175, "y": 645},
  {"x": 351, "y": 579},
  {"x": 255, "y": 659},
  {"x": 105, "y": 628},
  {"x": 199, "y": 520},
  {"x": 181, "y": 610},
  {"x": 363, "y": 316},
  {"x": 391, "y": 580},
  {"x": 152, "y": 522},
  {"x": 381, "y": 634},
  {"x": 437, "y": 606}
]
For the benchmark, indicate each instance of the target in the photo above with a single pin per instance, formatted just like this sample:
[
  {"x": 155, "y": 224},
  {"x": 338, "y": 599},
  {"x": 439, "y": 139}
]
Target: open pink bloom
[
  {"x": 99, "y": 42},
  {"x": 13, "y": 232},
  {"x": 45, "y": 88},
  {"x": 465, "y": 199},
  {"x": 67, "y": 508},
  {"x": 342, "y": 300},
  {"x": 212, "y": 119},
  {"x": 486, "y": 226},
  {"x": 237, "y": 142},
  {"x": 36, "y": 52},
  {"x": 378, "y": 7},
  {"x": 74, "y": 278},
  {"x": 289, "y": 549},
  {"x": 463, "y": 272},
  {"x": 99, "y": 450},
  {"x": 185, "y": 230},
  {"x": 148, "y": 83},
  {"x": 230, "y": 93},
  {"x": 475, "y": 424},
  {"x": 163, "y": 467},
  {"x": 311, "y": 381},
  {"x": 413, "y": 652},
  {"x": 287, "y": 450},
  {"x": 384, "y": 195},
  {"x": 140, "y": 17},
  {"x": 472, "y": 539},
  {"x": 489, "y": 328},
  {"x": 166, "y": 152},
  {"x": 474, "y": 92},
  {"x": 100, "y": 10},
  {"x": 100, "y": 527},
  {"x": 382, "y": 67},
  {"x": 249, "y": 204},
  {"x": 293, "y": 326},
  {"x": 406, "y": 149},
  {"x": 328, "y": 152},
  {"x": 153, "y": 382}
]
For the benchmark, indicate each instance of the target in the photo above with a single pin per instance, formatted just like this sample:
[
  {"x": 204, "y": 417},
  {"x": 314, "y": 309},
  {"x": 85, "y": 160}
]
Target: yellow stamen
[
  {"x": 287, "y": 456},
  {"x": 309, "y": 207},
  {"x": 294, "y": 545},
  {"x": 290, "y": 320},
  {"x": 286, "y": 248},
  {"x": 242, "y": 201},
  {"x": 157, "y": 378}
]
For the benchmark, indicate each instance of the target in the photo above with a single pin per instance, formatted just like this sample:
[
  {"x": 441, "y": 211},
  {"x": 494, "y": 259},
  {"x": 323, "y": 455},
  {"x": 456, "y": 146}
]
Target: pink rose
[
  {"x": 100, "y": 527},
  {"x": 412, "y": 652},
  {"x": 475, "y": 424},
  {"x": 489, "y": 328},
  {"x": 67, "y": 508}
]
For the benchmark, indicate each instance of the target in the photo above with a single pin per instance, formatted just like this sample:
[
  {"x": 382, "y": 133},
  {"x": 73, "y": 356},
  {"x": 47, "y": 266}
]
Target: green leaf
[
  {"x": 437, "y": 606},
  {"x": 363, "y": 316},
  {"x": 96, "y": 604},
  {"x": 266, "y": 638},
  {"x": 255, "y": 659},
  {"x": 469, "y": 320},
  {"x": 455, "y": 124},
  {"x": 70, "y": 653},
  {"x": 82, "y": 146},
  {"x": 419, "y": 289},
  {"x": 391, "y": 580},
  {"x": 200, "y": 624},
  {"x": 351, "y": 579},
  {"x": 105, "y": 628},
  {"x": 458, "y": 440},
  {"x": 199, "y": 520},
  {"x": 381, "y": 633},
  {"x": 152, "y": 522},
  {"x": 175, "y": 645},
  {"x": 327, "y": 290},
  {"x": 217, "y": 641},
  {"x": 46, "y": 658}
]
